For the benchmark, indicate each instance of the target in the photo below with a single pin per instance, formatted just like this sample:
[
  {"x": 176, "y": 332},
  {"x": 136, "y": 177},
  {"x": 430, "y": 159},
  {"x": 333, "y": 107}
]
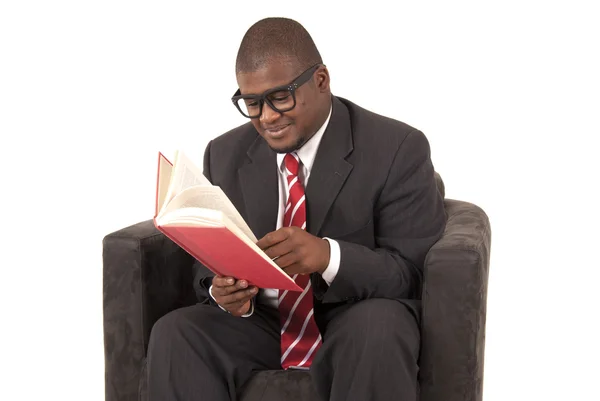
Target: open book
[{"x": 201, "y": 219}]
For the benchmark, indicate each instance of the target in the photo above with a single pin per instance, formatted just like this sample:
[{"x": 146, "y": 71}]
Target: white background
[{"x": 507, "y": 93}]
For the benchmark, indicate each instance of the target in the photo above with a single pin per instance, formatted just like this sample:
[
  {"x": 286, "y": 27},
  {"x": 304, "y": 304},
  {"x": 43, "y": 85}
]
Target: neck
[{"x": 323, "y": 113}]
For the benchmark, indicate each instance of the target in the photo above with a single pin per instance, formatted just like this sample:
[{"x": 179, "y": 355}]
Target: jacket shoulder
[
  {"x": 367, "y": 120},
  {"x": 240, "y": 135},
  {"x": 228, "y": 150},
  {"x": 380, "y": 133},
  {"x": 233, "y": 144}
]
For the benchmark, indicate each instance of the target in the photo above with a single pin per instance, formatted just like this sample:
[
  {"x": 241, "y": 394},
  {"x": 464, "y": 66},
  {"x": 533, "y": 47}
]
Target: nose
[{"x": 268, "y": 115}]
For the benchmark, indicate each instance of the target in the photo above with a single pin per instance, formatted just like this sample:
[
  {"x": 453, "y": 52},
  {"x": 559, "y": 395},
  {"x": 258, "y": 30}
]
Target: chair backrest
[{"x": 440, "y": 184}]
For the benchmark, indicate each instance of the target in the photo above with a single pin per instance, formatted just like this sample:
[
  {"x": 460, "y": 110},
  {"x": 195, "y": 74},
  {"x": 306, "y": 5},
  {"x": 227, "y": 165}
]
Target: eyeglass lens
[{"x": 281, "y": 101}]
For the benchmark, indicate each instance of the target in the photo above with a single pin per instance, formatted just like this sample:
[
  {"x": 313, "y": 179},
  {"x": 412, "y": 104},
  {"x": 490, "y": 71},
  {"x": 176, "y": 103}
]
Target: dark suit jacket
[{"x": 371, "y": 188}]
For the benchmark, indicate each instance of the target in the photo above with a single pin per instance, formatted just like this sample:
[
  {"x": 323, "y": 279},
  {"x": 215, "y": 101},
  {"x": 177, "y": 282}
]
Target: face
[{"x": 288, "y": 131}]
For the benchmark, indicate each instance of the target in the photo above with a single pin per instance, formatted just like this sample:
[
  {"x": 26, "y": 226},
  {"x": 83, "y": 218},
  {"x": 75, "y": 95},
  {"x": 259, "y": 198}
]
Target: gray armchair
[{"x": 146, "y": 276}]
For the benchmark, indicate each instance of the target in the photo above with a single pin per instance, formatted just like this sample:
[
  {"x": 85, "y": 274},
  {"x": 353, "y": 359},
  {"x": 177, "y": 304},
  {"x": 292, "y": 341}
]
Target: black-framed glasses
[{"x": 281, "y": 98}]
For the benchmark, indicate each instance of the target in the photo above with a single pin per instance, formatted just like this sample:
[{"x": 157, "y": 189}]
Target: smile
[{"x": 277, "y": 132}]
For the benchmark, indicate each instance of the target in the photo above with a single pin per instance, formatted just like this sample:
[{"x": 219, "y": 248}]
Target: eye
[{"x": 281, "y": 96}]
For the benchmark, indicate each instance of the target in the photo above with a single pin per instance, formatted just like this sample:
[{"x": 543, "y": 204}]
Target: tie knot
[{"x": 292, "y": 163}]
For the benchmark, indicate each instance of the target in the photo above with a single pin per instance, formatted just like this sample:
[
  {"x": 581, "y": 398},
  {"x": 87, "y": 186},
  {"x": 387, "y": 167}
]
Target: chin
[
  {"x": 286, "y": 146},
  {"x": 283, "y": 149}
]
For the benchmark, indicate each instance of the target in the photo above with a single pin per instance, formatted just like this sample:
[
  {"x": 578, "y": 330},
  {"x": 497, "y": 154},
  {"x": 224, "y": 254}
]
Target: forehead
[{"x": 271, "y": 75}]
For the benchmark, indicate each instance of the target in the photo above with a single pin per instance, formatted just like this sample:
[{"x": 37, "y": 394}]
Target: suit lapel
[
  {"x": 330, "y": 169},
  {"x": 258, "y": 180}
]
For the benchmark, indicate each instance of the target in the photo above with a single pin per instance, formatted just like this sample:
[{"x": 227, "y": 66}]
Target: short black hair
[{"x": 276, "y": 38}]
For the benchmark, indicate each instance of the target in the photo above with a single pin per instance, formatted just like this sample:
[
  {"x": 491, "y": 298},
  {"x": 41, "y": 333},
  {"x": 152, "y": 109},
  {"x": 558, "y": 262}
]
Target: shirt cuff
[
  {"x": 248, "y": 314},
  {"x": 334, "y": 261}
]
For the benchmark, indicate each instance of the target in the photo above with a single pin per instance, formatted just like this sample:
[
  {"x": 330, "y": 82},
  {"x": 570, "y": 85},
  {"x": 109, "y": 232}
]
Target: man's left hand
[{"x": 297, "y": 251}]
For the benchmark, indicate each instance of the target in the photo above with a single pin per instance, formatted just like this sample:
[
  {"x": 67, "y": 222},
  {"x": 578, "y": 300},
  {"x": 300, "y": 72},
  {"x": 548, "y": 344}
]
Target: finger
[
  {"x": 282, "y": 248},
  {"x": 229, "y": 289},
  {"x": 286, "y": 260},
  {"x": 294, "y": 268},
  {"x": 273, "y": 238},
  {"x": 237, "y": 304},
  {"x": 236, "y": 297},
  {"x": 220, "y": 281}
]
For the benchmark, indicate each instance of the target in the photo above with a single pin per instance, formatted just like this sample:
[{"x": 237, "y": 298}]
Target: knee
[
  {"x": 382, "y": 324},
  {"x": 174, "y": 326}
]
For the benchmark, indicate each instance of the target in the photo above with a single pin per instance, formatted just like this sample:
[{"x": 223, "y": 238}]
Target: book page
[
  {"x": 192, "y": 216},
  {"x": 165, "y": 169},
  {"x": 209, "y": 197},
  {"x": 185, "y": 175}
]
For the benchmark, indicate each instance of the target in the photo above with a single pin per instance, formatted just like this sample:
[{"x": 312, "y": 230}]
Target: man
[{"x": 346, "y": 203}]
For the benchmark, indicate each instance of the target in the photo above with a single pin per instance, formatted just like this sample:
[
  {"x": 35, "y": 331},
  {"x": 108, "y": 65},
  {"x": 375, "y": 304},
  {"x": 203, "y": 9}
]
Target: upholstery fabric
[
  {"x": 146, "y": 275},
  {"x": 440, "y": 185},
  {"x": 454, "y": 307}
]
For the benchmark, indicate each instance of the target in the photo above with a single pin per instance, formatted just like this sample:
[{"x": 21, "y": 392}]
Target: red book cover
[{"x": 225, "y": 254}]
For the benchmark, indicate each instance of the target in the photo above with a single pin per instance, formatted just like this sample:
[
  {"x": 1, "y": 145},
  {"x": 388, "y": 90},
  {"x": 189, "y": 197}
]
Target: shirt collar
[{"x": 308, "y": 151}]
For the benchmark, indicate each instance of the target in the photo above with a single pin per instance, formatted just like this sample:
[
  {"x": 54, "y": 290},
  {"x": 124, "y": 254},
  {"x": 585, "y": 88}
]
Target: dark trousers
[{"x": 369, "y": 352}]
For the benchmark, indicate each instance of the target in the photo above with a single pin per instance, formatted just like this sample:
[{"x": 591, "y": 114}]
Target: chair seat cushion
[{"x": 277, "y": 385}]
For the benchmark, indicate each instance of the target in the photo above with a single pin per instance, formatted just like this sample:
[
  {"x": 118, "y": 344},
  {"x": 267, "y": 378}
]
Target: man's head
[{"x": 274, "y": 53}]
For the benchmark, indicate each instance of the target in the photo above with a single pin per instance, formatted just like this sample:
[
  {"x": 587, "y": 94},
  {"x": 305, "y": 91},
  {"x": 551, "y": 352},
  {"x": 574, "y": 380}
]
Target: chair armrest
[
  {"x": 145, "y": 275},
  {"x": 454, "y": 307}
]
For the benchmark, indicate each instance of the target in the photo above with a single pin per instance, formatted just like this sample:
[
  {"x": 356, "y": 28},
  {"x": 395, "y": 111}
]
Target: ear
[{"x": 322, "y": 79}]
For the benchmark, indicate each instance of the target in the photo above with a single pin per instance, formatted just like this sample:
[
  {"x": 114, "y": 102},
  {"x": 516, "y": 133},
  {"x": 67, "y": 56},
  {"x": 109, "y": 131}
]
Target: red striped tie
[{"x": 300, "y": 337}]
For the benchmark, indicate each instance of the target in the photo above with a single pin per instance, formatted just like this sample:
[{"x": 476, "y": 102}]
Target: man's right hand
[{"x": 233, "y": 295}]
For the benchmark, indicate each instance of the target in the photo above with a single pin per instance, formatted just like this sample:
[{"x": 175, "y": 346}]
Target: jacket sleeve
[{"x": 409, "y": 217}]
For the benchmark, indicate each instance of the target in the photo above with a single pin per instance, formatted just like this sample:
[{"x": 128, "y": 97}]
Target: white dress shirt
[{"x": 306, "y": 154}]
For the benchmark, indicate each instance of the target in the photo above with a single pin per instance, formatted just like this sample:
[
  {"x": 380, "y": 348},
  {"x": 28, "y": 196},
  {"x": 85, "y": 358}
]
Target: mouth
[{"x": 277, "y": 132}]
